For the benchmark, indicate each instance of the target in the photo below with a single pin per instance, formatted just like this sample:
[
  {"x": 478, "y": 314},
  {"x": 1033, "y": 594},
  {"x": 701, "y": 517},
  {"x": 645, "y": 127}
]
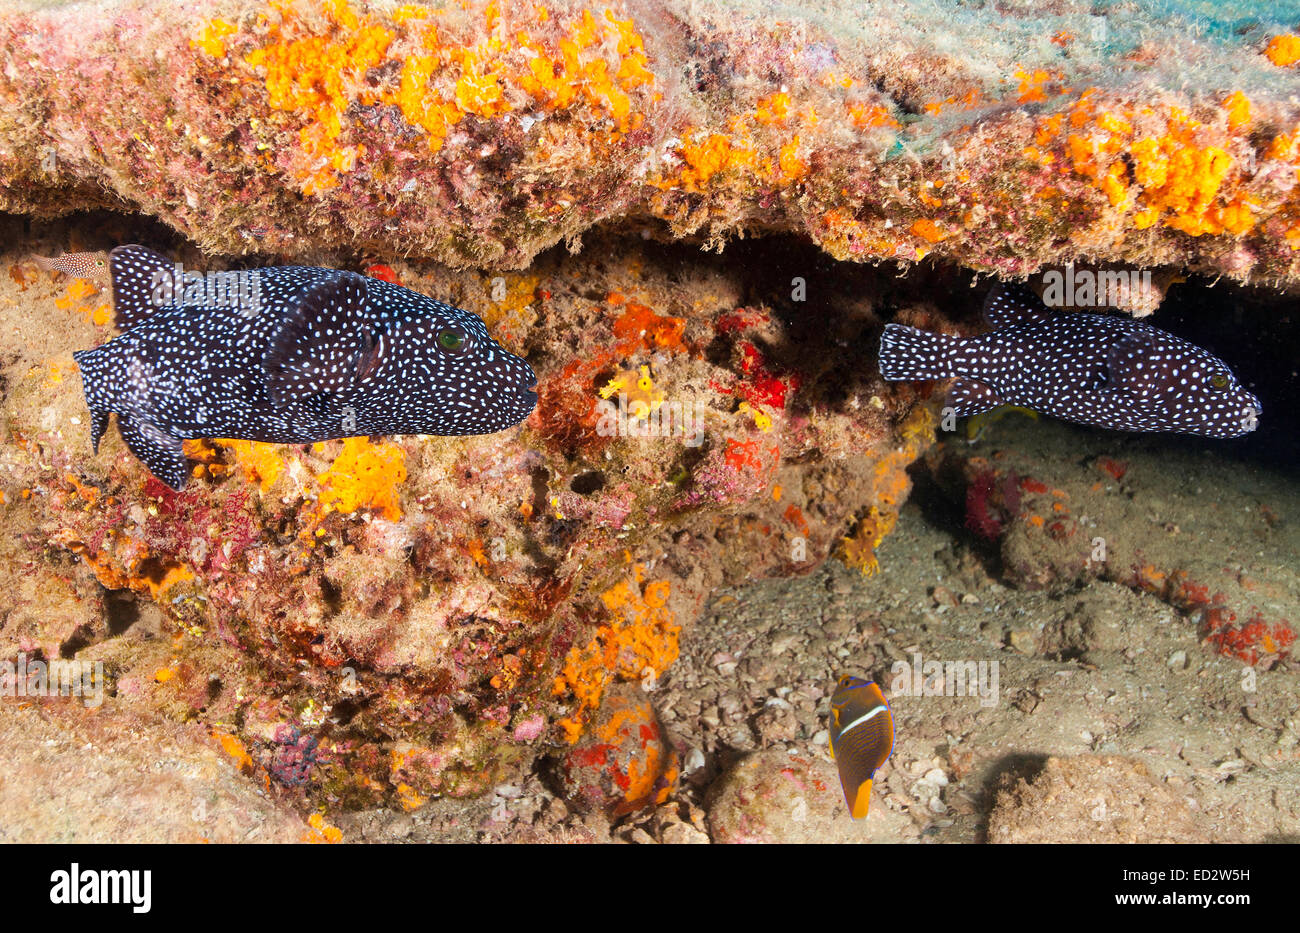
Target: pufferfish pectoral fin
[
  {"x": 968, "y": 397},
  {"x": 161, "y": 452},
  {"x": 1133, "y": 364},
  {"x": 327, "y": 343}
]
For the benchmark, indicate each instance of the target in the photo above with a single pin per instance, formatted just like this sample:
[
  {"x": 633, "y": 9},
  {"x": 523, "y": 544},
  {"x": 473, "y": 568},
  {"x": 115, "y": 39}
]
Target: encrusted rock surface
[
  {"x": 111, "y": 779},
  {"x": 1100, "y": 798},
  {"x": 389, "y": 619},
  {"x": 775, "y": 796},
  {"x": 481, "y": 133}
]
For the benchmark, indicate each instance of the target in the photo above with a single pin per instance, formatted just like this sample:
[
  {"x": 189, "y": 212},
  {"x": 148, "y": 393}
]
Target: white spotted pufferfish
[
  {"x": 305, "y": 354},
  {"x": 1096, "y": 369}
]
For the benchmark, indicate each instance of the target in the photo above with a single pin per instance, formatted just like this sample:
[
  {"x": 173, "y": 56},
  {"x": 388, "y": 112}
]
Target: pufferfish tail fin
[{"x": 909, "y": 354}]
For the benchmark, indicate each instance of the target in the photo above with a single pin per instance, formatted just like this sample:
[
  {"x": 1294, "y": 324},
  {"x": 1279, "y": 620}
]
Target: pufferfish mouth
[{"x": 1250, "y": 414}]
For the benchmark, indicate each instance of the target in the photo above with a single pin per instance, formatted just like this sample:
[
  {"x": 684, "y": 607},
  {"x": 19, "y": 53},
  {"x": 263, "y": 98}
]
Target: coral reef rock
[
  {"x": 481, "y": 133},
  {"x": 389, "y": 619},
  {"x": 1099, "y": 798},
  {"x": 776, "y": 796}
]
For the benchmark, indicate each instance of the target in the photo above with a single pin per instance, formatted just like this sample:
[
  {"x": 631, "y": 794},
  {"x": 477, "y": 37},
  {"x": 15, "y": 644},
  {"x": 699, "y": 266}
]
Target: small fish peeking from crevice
[
  {"x": 1102, "y": 370},
  {"x": 92, "y": 266},
  {"x": 288, "y": 354}
]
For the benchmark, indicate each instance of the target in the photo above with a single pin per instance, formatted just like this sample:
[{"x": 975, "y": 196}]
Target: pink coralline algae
[
  {"x": 293, "y": 755},
  {"x": 992, "y": 500}
]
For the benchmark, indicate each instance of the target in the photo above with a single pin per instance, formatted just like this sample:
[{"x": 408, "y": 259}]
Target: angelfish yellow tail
[{"x": 862, "y": 800}]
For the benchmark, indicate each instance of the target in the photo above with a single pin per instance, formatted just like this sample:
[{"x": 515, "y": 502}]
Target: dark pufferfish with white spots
[
  {"x": 1097, "y": 369},
  {"x": 305, "y": 354}
]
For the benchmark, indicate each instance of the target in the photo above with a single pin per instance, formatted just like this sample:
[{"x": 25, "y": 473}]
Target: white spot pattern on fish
[
  {"x": 1095, "y": 369},
  {"x": 327, "y": 354}
]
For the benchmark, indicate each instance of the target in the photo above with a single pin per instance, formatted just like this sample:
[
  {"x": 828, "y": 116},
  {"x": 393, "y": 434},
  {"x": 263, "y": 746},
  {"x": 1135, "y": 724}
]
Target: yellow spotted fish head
[{"x": 862, "y": 736}]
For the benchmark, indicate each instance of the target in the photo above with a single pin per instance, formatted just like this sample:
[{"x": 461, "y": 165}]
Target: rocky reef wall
[
  {"x": 481, "y": 133},
  {"x": 422, "y": 612}
]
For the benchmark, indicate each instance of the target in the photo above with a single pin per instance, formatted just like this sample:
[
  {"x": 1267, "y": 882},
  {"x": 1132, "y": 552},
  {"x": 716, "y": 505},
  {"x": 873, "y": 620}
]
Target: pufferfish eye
[
  {"x": 1219, "y": 381},
  {"x": 452, "y": 339}
]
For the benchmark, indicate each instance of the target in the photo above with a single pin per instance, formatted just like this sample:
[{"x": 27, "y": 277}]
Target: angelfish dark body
[
  {"x": 1104, "y": 370},
  {"x": 290, "y": 354},
  {"x": 861, "y": 738}
]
